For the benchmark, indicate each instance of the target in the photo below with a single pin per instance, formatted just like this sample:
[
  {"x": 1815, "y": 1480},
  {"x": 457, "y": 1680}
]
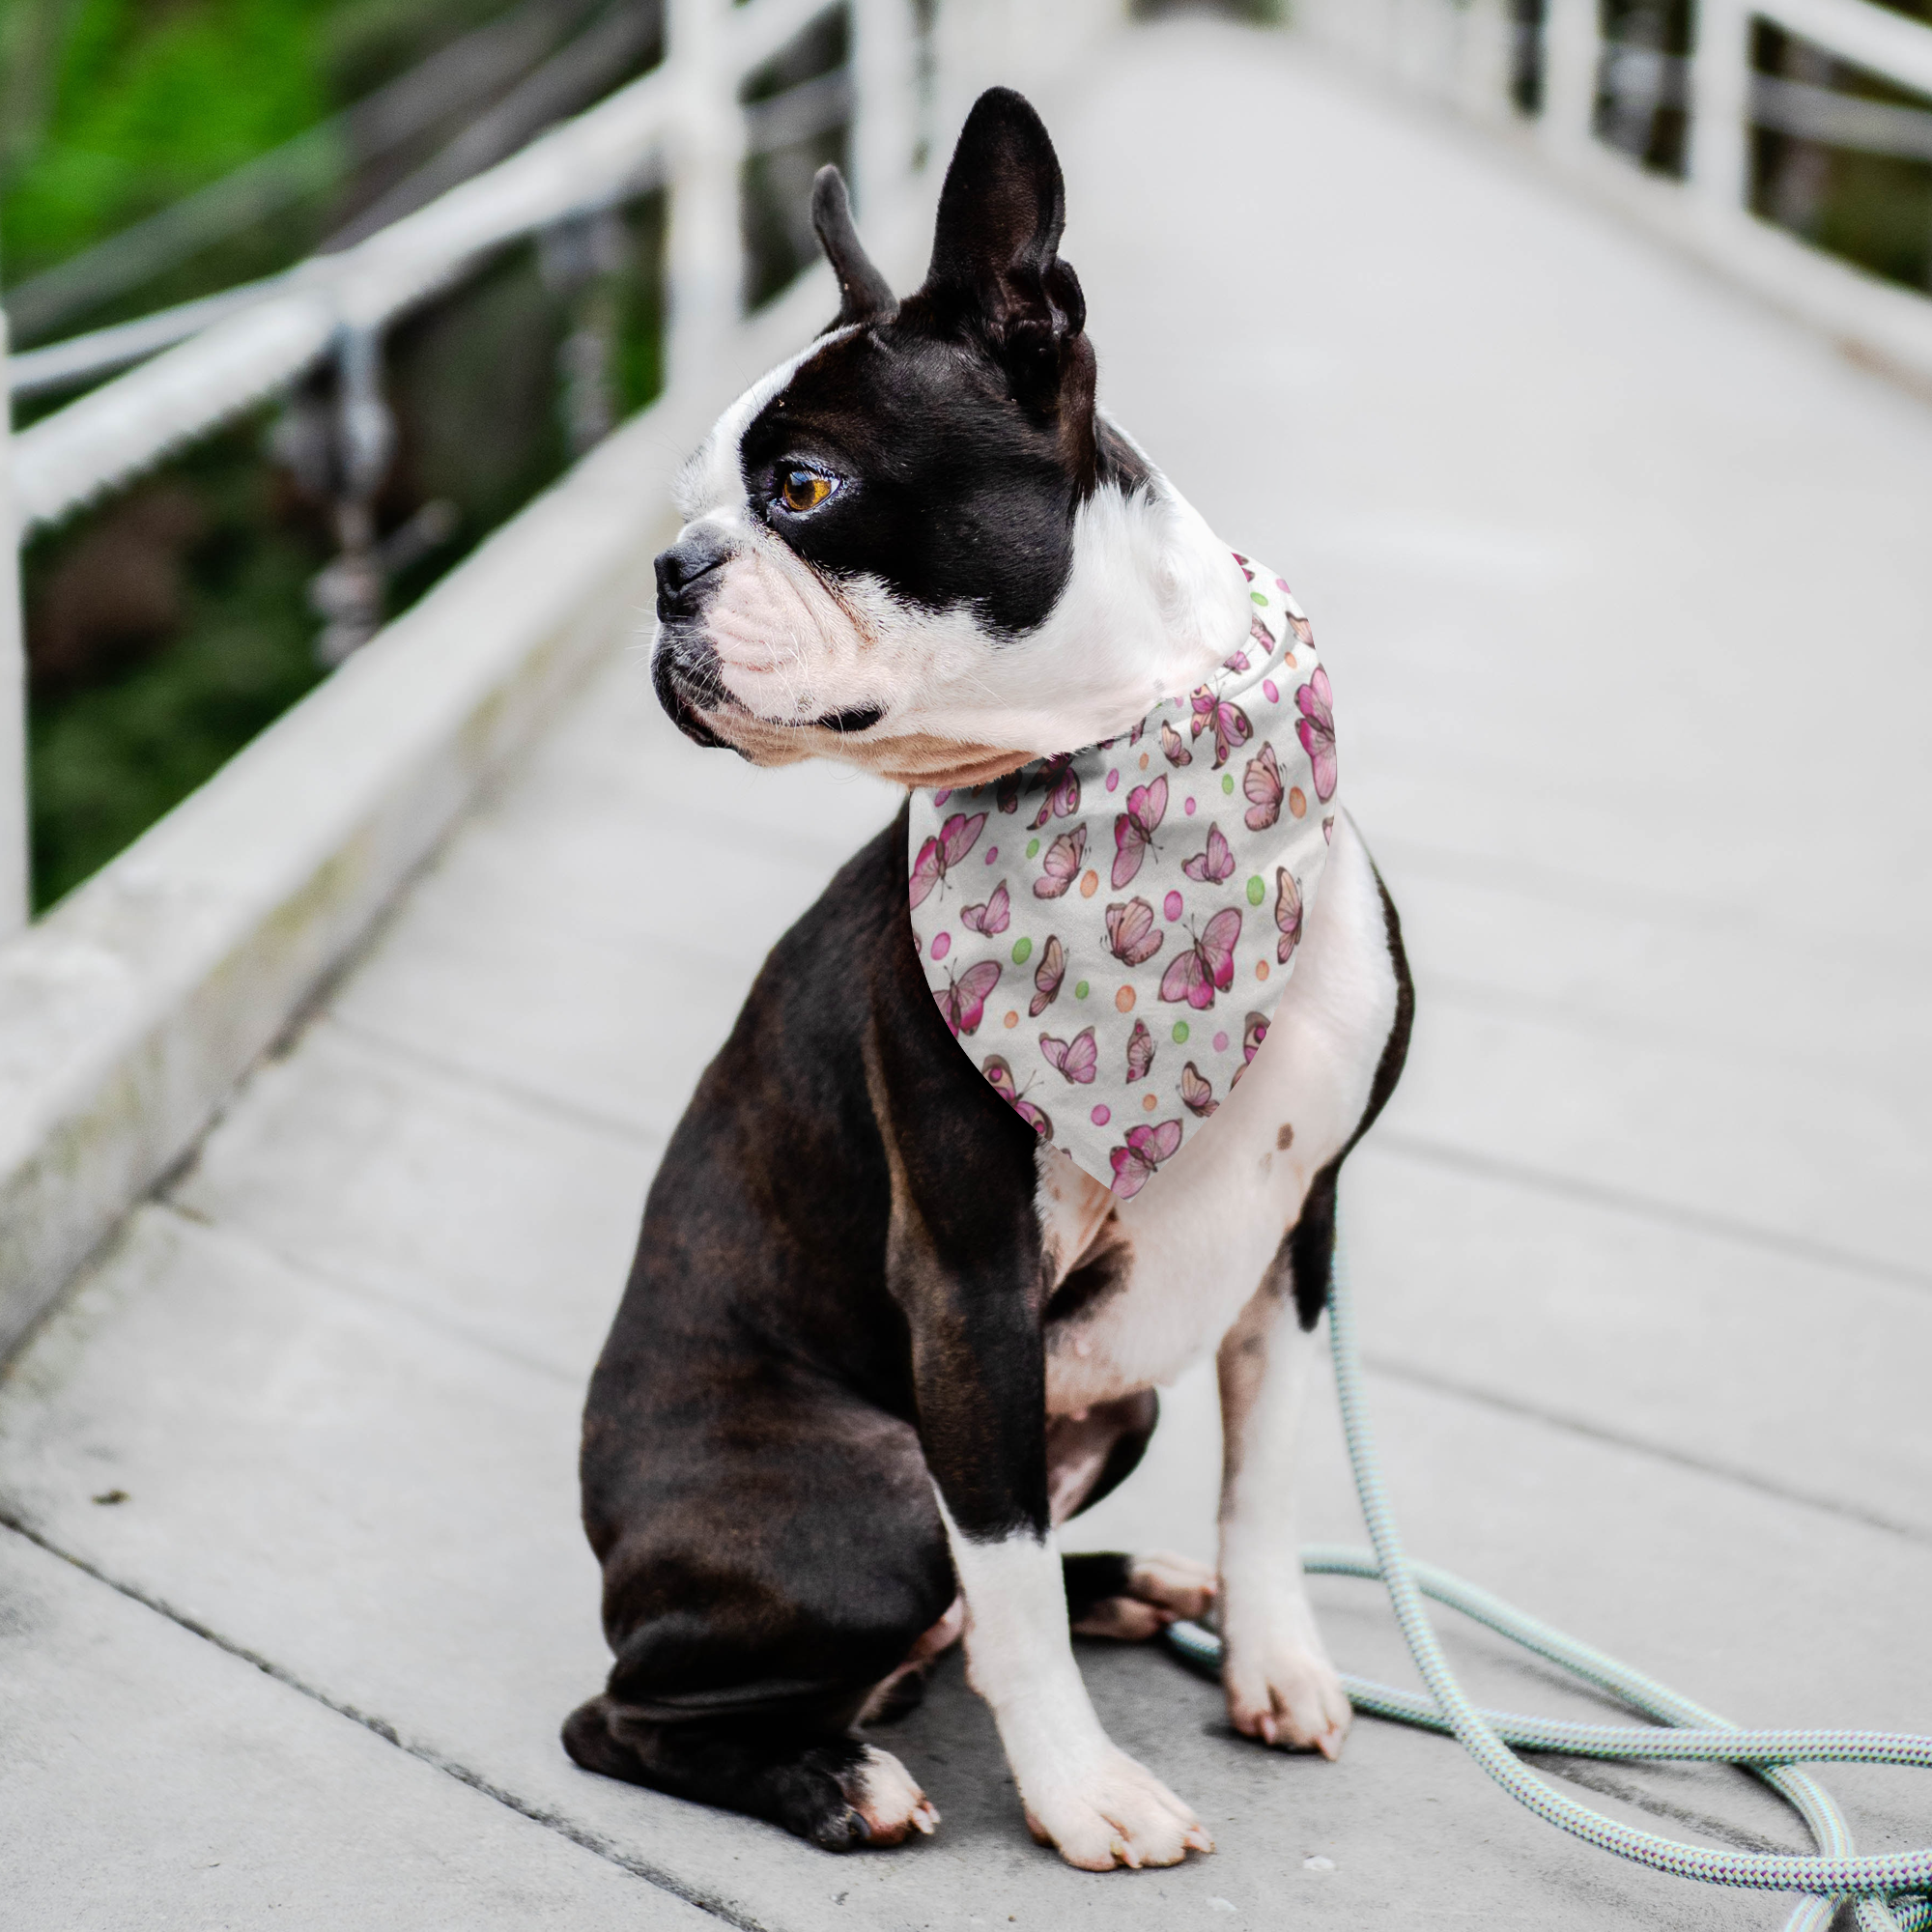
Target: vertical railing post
[
  {"x": 886, "y": 90},
  {"x": 703, "y": 254},
  {"x": 1571, "y": 49},
  {"x": 1721, "y": 108},
  {"x": 12, "y": 682}
]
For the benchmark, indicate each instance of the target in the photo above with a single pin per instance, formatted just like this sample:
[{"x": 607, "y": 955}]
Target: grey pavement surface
[{"x": 1625, "y": 592}]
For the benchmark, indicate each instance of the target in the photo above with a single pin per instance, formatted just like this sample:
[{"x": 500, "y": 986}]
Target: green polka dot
[
  {"x": 1256, "y": 891},
  {"x": 1080, "y": 991},
  {"x": 1023, "y": 948},
  {"x": 1228, "y": 782},
  {"x": 1180, "y": 1032},
  {"x": 1032, "y": 848},
  {"x": 1258, "y": 598}
]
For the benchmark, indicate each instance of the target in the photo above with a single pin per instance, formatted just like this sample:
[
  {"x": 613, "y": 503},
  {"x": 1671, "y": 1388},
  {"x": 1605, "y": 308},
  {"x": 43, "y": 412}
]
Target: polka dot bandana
[{"x": 1107, "y": 931}]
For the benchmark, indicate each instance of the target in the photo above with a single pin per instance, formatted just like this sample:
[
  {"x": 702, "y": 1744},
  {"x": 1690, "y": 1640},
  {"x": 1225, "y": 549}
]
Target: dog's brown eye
[{"x": 804, "y": 490}]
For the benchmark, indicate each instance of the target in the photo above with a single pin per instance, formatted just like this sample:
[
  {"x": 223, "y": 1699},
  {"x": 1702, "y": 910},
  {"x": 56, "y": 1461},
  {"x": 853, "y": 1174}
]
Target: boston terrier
[{"x": 880, "y": 1338}]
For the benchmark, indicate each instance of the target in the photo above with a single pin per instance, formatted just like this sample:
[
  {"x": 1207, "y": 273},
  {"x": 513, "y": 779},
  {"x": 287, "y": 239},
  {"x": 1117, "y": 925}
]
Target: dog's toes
[
  {"x": 1160, "y": 1587},
  {"x": 1176, "y": 1584},
  {"x": 886, "y": 1801},
  {"x": 1292, "y": 1699},
  {"x": 1117, "y": 1814}
]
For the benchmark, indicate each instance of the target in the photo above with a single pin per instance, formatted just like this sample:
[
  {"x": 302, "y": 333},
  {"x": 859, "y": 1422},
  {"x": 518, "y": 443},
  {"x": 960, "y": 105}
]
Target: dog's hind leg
[
  {"x": 1111, "y": 1594},
  {"x": 817, "y": 1780}
]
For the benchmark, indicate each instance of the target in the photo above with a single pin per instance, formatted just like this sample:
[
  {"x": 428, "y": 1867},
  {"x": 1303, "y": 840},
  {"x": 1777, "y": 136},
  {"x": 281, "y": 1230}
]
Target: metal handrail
[{"x": 681, "y": 125}]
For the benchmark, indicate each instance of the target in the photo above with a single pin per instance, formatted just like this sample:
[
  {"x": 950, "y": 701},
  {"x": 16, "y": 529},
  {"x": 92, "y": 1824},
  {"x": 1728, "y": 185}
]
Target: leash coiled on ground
[{"x": 1883, "y": 1887}]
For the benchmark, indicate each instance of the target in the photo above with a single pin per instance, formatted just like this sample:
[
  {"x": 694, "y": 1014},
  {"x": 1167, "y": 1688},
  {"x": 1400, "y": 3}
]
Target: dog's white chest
[{"x": 1149, "y": 1284}]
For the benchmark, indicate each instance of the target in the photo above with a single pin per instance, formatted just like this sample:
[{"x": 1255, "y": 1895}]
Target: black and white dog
[{"x": 877, "y": 1341}]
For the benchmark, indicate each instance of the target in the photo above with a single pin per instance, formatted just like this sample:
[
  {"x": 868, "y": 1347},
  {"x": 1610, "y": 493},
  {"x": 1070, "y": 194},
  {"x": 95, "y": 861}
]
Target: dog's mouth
[{"x": 688, "y": 677}]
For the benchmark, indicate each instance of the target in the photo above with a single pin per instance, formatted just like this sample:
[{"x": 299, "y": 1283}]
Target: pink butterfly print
[
  {"x": 1007, "y": 796},
  {"x": 1174, "y": 745},
  {"x": 1287, "y": 914},
  {"x": 1196, "y": 1092},
  {"x": 1135, "y": 827},
  {"x": 1228, "y": 722},
  {"x": 1208, "y": 966},
  {"x": 963, "y": 1003},
  {"x": 1258, "y": 634},
  {"x": 1001, "y": 1075},
  {"x": 1238, "y": 661},
  {"x": 1146, "y": 1148},
  {"x": 1072, "y": 1059},
  {"x": 1134, "y": 736},
  {"x": 1261, "y": 785},
  {"x": 990, "y": 918},
  {"x": 1304, "y": 631},
  {"x": 1061, "y": 865},
  {"x": 1215, "y": 863},
  {"x": 1130, "y": 932},
  {"x": 1048, "y": 976},
  {"x": 1063, "y": 789},
  {"x": 1254, "y": 1031},
  {"x": 1140, "y": 1052},
  {"x": 938, "y": 856},
  {"x": 1316, "y": 730}
]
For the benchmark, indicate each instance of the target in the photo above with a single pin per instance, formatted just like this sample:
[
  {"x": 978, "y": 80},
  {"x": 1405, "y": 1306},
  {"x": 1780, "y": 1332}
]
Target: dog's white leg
[
  {"x": 1081, "y": 1792},
  {"x": 1280, "y": 1684}
]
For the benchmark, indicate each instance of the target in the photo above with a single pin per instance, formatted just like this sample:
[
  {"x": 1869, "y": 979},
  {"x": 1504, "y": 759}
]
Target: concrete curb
[{"x": 132, "y": 1010}]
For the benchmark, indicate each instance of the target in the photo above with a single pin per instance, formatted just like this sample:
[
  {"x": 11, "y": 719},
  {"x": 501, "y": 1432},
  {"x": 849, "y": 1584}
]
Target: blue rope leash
[{"x": 1882, "y": 1888}]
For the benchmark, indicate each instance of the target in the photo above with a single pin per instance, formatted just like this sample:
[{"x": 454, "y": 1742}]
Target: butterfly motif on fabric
[
  {"x": 1001, "y": 1075},
  {"x": 963, "y": 1004},
  {"x": 1135, "y": 827},
  {"x": 1259, "y": 634},
  {"x": 993, "y": 917},
  {"x": 1174, "y": 745},
  {"x": 939, "y": 854},
  {"x": 1063, "y": 789},
  {"x": 1134, "y": 1164},
  {"x": 1304, "y": 631},
  {"x": 1048, "y": 976},
  {"x": 1287, "y": 914},
  {"x": 1253, "y": 1030},
  {"x": 1131, "y": 937},
  {"x": 1208, "y": 965},
  {"x": 1140, "y": 1052},
  {"x": 1197, "y": 1093},
  {"x": 1215, "y": 863},
  {"x": 1316, "y": 703},
  {"x": 1074, "y": 1060},
  {"x": 1007, "y": 792},
  {"x": 1228, "y": 722},
  {"x": 1262, "y": 786},
  {"x": 1237, "y": 663},
  {"x": 1061, "y": 865}
]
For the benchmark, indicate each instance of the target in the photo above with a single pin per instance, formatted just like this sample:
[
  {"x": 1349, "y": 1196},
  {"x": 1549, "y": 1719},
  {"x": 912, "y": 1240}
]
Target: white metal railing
[
  {"x": 1468, "y": 53},
  {"x": 680, "y": 126}
]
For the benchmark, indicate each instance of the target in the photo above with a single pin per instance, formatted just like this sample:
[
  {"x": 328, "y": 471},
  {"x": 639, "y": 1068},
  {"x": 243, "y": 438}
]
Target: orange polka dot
[
  {"x": 1148, "y": 1103},
  {"x": 1298, "y": 802},
  {"x": 1123, "y": 1000},
  {"x": 1012, "y": 1020},
  {"x": 1090, "y": 885},
  {"x": 1260, "y": 969},
  {"x": 1144, "y": 758}
]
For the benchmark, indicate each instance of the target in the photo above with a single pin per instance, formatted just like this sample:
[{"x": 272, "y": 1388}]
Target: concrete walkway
[{"x": 1625, "y": 588}]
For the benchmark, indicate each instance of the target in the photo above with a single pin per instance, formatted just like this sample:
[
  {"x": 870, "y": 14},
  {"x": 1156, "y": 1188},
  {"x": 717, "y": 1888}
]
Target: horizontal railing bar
[
  {"x": 128, "y": 423},
  {"x": 1889, "y": 46},
  {"x": 754, "y": 34},
  {"x": 1806, "y": 113},
  {"x": 800, "y": 112}
]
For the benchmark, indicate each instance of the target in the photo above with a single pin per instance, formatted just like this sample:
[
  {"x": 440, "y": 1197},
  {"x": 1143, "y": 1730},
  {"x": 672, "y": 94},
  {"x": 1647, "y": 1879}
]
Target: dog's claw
[
  {"x": 926, "y": 1820},
  {"x": 1198, "y": 1839}
]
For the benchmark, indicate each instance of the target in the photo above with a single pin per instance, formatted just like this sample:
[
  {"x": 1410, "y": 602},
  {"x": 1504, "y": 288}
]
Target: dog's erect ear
[
  {"x": 863, "y": 291},
  {"x": 1001, "y": 214}
]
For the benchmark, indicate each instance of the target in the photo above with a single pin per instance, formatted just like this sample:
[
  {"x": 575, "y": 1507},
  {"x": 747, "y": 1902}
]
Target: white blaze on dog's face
[{"x": 918, "y": 546}]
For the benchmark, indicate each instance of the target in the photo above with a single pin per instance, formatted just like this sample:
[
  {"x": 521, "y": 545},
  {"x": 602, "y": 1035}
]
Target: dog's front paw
[
  {"x": 882, "y": 1805},
  {"x": 1285, "y": 1692},
  {"x": 1160, "y": 1587},
  {"x": 1116, "y": 1812}
]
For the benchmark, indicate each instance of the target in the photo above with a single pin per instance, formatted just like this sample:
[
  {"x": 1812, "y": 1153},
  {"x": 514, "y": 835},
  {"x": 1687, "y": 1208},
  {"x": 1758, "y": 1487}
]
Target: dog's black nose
[{"x": 685, "y": 573}]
